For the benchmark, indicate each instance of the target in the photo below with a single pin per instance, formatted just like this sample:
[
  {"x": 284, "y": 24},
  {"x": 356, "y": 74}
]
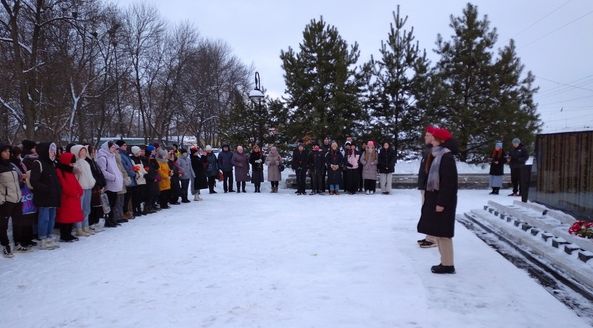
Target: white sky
[{"x": 553, "y": 37}]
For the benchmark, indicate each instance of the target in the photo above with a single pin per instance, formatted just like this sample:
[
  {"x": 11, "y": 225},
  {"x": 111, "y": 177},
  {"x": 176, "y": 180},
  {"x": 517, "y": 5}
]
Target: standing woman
[
  {"x": 386, "y": 166},
  {"x": 200, "y": 181},
  {"x": 440, "y": 198},
  {"x": 273, "y": 160},
  {"x": 184, "y": 162},
  {"x": 334, "y": 160},
  {"x": 369, "y": 161},
  {"x": 10, "y": 197},
  {"x": 70, "y": 210},
  {"x": 241, "y": 164},
  {"x": 256, "y": 159},
  {"x": 497, "y": 160},
  {"x": 22, "y": 225},
  {"x": 114, "y": 181},
  {"x": 211, "y": 164},
  {"x": 165, "y": 173},
  {"x": 84, "y": 175},
  {"x": 96, "y": 204},
  {"x": 46, "y": 192},
  {"x": 300, "y": 161},
  {"x": 352, "y": 176}
]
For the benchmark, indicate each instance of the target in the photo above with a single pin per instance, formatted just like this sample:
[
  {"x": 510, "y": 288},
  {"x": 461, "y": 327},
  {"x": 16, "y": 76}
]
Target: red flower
[{"x": 582, "y": 229}]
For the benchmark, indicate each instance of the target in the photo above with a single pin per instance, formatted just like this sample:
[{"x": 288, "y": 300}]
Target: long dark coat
[
  {"x": 432, "y": 222},
  {"x": 46, "y": 187},
  {"x": 200, "y": 181},
  {"x": 497, "y": 163},
  {"x": 241, "y": 164},
  {"x": 386, "y": 162},
  {"x": 257, "y": 169},
  {"x": 335, "y": 158}
]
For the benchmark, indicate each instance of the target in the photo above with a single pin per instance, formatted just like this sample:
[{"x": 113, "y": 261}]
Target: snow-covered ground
[
  {"x": 411, "y": 167},
  {"x": 275, "y": 260}
]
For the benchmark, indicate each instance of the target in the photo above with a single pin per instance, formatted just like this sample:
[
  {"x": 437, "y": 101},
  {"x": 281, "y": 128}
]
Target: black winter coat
[
  {"x": 421, "y": 173},
  {"x": 432, "y": 222},
  {"x": 257, "y": 161},
  {"x": 518, "y": 157},
  {"x": 334, "y": 158},
  {"x": 497, "y": 163},
  {"x": 386, "y": 161},
  {"x": 317, "y": 161},
  {"x": 200, "y": 181},
  {"x": 299, "y": 160},
  {"x": 46, "y": 187}
]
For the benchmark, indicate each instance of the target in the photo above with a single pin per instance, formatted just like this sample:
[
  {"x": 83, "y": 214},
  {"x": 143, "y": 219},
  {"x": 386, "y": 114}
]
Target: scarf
[{"x": 432, "y": 183}]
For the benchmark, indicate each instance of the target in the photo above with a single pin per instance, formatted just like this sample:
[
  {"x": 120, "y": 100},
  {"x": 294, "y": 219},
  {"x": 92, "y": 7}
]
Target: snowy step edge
[
  {"x": 564, "y": 264},
  {"x": 560, "y": 230},
  {"x": 558, "y": 215}
]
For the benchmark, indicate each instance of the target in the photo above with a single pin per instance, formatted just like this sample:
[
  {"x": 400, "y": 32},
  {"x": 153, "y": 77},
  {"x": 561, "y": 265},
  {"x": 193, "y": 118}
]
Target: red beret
[
  {"x": 442, "y": 134},
  {"x": 430, "y": 129}
]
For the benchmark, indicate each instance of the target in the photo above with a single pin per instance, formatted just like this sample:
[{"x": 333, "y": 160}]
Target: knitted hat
[
  {"x": 516, "y": 141},
  {"x": 149, "y": 148},
  {"x": 120, "y": 143},
  {"x": 28, "y": 145},
  {"x": 430, "y": 129},
  {"x": 162, "y": 153},
  {"x": 208, "y": 148},
  {"x": 136, "y": 150},
  {"x": 442, "y": 134}
]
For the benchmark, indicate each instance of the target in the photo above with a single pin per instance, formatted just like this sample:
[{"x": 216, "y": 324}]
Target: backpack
[{"x": 28, "y": 175}]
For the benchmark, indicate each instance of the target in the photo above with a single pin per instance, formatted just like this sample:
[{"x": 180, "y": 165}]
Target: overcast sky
[{"x": 554, "y": 38}]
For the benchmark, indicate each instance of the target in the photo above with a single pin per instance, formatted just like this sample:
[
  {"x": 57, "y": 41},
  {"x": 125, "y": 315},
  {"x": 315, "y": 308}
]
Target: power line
[
  {"x": 542, "y": 18},
  {"x": 559, "y": 28},
  {"x": 566, "y": 84},
  {"x": 560, "y": 89}
]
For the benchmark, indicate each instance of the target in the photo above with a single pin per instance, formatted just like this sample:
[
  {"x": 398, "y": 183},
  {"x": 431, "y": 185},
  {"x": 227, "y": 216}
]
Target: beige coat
[{"x": 10, "y": 190}]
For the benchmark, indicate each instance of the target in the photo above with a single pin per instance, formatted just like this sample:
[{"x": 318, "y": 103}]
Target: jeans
[
  {"x": 333, "y": 187},
  {"x": 385, "y": 180},
  {"x": 85, "y": 201},
  {"x": 47, "y": 220}
]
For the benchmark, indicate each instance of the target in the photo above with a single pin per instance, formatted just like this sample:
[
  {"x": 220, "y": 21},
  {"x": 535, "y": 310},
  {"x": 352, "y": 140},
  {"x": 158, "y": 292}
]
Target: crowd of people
[{"x": 72, "y": 189}]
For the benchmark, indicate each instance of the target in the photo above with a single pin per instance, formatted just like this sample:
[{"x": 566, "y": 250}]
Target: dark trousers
[
  {"x": 317, "y": 178},
  {"x": 370, "y": 185},
  {"x": 22, "y": 229},
  {"x": 184, "y": 189},
  {"x": 164, "y": 197},
  {"x": 360, "y": 179},
  {"x": 175, "y": 190},
  {"x": 65, "y": 231},
  {"x": 351, "y": 181},
  {"x": 227, "y": 183},
  {"x": 241, "y": 186},
  {"x": 112, "y": 196},
  {"x": 137, "y": 198},
  {"x": 275, "y": 184},
  {"x": 211, "y": 183},
  {"x": 323, "y": 185},
  {"x": 96, "y": 214},
  {"x": 130, "y": 195},
  {"x": 7, "y": 210},
  {"x": 516, "y": 178},
  {"x": 301, "y": 178}
]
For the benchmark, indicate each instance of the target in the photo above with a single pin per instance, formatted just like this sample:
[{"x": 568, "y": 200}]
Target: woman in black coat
[
  {"x": 257, "y": 160},
  {"x": 497, "y": 160},
  {"x": 334, "y": 161},
  {"x": 200, "y": 181},
  {"x": 386, "y": 167},
  {"x": 440, "y": 198}
]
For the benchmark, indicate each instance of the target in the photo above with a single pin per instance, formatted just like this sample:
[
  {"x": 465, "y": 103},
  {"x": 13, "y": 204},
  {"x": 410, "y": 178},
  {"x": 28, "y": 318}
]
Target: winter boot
[
  {"x": 81, "y": 233},
  {"x": 7, "y": 252},
  {"x": 496, "y": 191},
  {"x": 442, "y": 269}
]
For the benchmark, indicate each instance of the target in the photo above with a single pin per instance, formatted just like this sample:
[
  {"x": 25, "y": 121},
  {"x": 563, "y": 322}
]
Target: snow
[
  {"x": 411, "y": 167},
  {"x": 275, "y": 260}
]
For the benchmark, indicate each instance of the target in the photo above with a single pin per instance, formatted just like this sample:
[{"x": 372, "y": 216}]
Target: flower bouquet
[{"x": 582, "y": 229}]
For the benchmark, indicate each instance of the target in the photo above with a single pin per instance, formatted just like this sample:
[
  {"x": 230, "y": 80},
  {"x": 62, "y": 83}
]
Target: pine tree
[
  {"x": 485, "y": 97},
  {"x": 399, "y": 86},
  {"x": 323, "y": 83}
]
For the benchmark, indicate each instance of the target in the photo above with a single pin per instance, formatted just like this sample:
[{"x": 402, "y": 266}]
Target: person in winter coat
[
  {"x": 121, "y": 208},
  {"x": 211, "y": 165},
  {"x": 369, "y": 160},
  {"x": 114, "y": 181},
  {"x": 517, "y": 158},
  {"x": 317, "y": 170},
  {"x": 175, "y": 181},
  {"x": 386, "y": 167},
  {"x": 46, "y": 193},
  {"x": 273, "y": 161},
  {"x": 153, "y": 178},
  {"x": 360, "y": 184},
  {"x": 428, "y": 241},
  {"x": 440, "y": 198},
  {"x": 497, "y": 160},
  {"x": 22, "y": 225},
  {"x": 325, "y": 147},
  {"x": 257, "y": 159},
  {"x": 188, "y": 174},
  {"x": 334, "y": 161},
  {"x": 200, "y": 181},
  {"x": 352, "y": 162},
  {"x": 96, "y": 202},
  {"x": 241, "y": 164},
  {"x": 10, "y": 197},
  {"x": 70, "y": 210},
  {"x": 225, "y": 163},
  {"x": 165, "y": 174},
  {"x": 129, "y": 177},
  {"x": 300, "y": 165},
  {"x": 139, "y": 197},
  {"x": 84, "y": 175}
]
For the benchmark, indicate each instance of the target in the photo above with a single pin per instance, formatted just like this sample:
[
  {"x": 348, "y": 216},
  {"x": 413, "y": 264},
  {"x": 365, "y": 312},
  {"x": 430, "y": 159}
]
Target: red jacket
[{"x": 70, "y": 210}]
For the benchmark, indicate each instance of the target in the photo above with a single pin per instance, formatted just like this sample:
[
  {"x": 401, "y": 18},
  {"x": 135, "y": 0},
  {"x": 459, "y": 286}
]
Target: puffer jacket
[
  {"x": 46, "y": 187},
  {"x": 165, "y": 174},
  {"x": 106, "y": 161},
  {"x": 82, "y": 169},
  {"x": 10, "y": 190},
  {"x": 184, "y": 163}
]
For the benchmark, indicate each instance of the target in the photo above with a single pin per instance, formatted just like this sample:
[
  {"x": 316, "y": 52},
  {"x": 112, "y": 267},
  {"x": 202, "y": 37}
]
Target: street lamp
[{"x": 256, "y": 95}]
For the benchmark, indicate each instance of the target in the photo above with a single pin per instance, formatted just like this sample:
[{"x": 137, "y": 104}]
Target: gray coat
[
  {"x": 241, "y": 164},
  {"x": 369, "y": 168},
  {"x": 184, "y": 163},
  {"x": 273, "y": 171}
]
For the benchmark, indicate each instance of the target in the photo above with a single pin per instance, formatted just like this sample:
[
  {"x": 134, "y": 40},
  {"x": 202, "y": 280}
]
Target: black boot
[
  {"x": 442, "y": 269},
  {"x": 493, "y": 192},
  {"x": 496, "y": 191}
]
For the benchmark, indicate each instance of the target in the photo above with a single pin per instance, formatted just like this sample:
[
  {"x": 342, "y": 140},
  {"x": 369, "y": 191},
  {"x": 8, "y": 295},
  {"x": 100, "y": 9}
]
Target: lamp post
[{"x": 256, "y": 95}]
